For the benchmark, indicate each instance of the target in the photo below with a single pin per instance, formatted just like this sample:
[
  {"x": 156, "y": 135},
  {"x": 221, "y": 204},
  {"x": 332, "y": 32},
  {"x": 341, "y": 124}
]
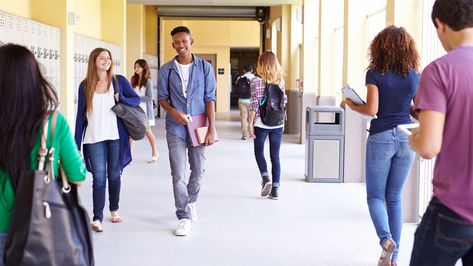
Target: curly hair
[
  {"x": 393, "y": 49},
  {"x": 457, "y": 14}
]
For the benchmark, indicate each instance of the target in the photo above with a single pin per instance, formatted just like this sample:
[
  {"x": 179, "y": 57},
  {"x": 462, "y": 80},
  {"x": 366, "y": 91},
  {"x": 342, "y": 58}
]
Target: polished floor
[{"x": 311, "y": 223}]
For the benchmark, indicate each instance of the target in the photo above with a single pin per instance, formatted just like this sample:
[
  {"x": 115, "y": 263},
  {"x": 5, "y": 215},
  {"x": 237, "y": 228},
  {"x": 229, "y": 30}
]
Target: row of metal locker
[{"x": 44, "y": 41}]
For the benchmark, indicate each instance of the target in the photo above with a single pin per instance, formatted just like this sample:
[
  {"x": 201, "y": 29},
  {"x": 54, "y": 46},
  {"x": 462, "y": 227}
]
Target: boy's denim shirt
[{"x": 201, "y": 90}]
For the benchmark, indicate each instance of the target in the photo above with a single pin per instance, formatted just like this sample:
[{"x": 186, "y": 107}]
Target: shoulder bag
[
  {"x": 133, "y": 117},
  {"x": 48, "y": 224}
]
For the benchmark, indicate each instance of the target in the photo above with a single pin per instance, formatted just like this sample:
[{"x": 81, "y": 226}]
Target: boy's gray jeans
[{"x": 185, "y": 190}]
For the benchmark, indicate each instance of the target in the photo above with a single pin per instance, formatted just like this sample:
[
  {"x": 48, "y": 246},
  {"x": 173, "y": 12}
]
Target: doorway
[
  {"x": 240, "y": 57},
  {"x": 212, "y": 59}
]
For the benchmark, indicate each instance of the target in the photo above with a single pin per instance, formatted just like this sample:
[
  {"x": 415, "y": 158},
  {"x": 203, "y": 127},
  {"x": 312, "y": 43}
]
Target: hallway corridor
[{"x": 310, "y": 224}]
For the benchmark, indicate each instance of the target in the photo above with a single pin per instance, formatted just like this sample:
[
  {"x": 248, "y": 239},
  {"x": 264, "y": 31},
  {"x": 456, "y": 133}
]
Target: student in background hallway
[
  {"x": 391, "y": 82},
  {"x": 269, "y": 71},
  {"x": 106, "y": 145},
  {"x": 143, "y": 86},
  {"x": 186, "y": 86},
  {"x": 242, "y": 89},
  {"x": 27, "y": 99},
  {"x": 445, "y": 106}
]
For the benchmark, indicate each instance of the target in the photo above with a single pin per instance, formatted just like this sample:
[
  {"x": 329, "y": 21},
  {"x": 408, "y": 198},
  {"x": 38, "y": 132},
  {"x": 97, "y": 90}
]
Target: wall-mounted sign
[{"x": 221, "y": 71}]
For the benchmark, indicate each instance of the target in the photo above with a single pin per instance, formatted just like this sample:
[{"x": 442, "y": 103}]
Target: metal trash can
[{"x": 325, "y": 142}]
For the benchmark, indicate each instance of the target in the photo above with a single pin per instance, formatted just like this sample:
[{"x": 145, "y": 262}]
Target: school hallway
[{"x": 310, "y": 224}]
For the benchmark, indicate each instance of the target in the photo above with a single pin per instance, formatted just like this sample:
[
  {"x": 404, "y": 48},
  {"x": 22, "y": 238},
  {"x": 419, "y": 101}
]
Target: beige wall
[
  {"x": 151, "y": 30},
  {"x": 19, "y": 8},
  {"x": 134, "y": 37},
  {"x": 90, "y": 13},
  {"x": 310, "y": 44},
  {"x": 114, "y": 26},
  {"x": 217, "y": 41}
]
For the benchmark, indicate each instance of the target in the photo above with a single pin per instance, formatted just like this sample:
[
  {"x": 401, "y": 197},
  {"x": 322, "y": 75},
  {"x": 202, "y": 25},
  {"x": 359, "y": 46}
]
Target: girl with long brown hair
[
  {"x": 269, "y": 75},
  {"x": 391, "y": 80},
  {"x": 106, "y": 145},
  {"x": 143, "y": 86}
]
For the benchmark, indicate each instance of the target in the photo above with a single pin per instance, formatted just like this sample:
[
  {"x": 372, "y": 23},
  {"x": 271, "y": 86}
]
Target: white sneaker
[
  {"x": 193, "y": 210},
  {"x": 183, "y": 228}
]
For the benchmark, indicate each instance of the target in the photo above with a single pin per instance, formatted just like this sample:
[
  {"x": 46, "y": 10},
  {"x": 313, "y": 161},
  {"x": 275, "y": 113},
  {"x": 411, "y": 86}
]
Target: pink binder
[{"x": 198, "y": 121}]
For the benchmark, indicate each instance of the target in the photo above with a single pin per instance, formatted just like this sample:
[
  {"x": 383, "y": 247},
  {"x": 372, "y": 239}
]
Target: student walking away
[
  {"x": 143, "y": 86},
  {"x": 391, "y": 82},
  {"x": 106, "y": 145},
  {"x": 186, "y": 86},
  {"x": 445, "y": 105},
  {"x": 267, "y": 115},
  {"x": 243, "y": 91},
  {"x": 32, "y": 98}
]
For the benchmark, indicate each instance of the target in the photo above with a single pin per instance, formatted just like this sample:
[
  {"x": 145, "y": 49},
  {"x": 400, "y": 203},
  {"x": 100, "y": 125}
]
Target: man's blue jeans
[
  {"x": 388, "y": 161},
  {"x": 186, "y": 190},
  {"x": 3, "y": 239},
  {"x": 442, "y": 238},
  {"x": 105, "y": 163},
  {"x": 275, "y": 138}
]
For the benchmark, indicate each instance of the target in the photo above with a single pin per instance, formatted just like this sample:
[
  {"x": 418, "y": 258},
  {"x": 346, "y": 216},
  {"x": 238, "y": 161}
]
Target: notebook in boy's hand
[
  {"x": 196, "y": 122},
  {"x": 202, "y": 133}
]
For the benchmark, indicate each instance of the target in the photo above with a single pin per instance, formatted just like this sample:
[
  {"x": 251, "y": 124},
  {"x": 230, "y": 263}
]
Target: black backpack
[
  {"x": 242, "y": 87},
  {"x": 272, "y": 109}
]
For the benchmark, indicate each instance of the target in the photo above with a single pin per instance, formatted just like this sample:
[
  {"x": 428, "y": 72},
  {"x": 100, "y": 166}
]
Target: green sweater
[{"x": 71, "y": 161}]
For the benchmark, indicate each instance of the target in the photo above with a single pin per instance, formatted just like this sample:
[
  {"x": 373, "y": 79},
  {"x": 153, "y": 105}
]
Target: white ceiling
[{"x": 215, "y": 2}]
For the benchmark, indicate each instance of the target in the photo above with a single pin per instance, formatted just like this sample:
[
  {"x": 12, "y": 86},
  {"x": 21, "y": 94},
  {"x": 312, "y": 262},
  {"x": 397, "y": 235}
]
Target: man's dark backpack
[
  {"x": 242, "y": 87},
  {"x": 272, "y": 109}
]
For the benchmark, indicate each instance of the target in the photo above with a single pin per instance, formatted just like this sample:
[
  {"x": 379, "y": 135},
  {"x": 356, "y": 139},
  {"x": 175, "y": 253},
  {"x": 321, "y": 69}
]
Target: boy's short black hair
[
  {"x": 248, "y": 68},
  {"x": 178, "y": 29},
  {"x": 457, "y": 14}
]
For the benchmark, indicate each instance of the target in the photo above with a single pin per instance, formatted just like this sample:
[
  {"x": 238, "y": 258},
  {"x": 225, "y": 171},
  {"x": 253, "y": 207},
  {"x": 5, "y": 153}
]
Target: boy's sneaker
[
  {"x": 265, "y": 187},
  {"x": 183, "y": 228},
  {"x": 274, "y": 193},
  {"x": 193, "y": 210},
  {"x": 388, "y": 248}
]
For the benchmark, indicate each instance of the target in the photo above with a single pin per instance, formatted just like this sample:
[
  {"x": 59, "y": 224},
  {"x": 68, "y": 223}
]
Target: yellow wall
[
  {"x": 217, "y": 41},
  {"x": 244, "y": 33},
  {"x": 114, "y": 26},
  {"x": 134, "y": 37},
  {"x": 151, "y": 30},
  {"x": 90, "y": 13},
  {"x": 19, "y": 8}
]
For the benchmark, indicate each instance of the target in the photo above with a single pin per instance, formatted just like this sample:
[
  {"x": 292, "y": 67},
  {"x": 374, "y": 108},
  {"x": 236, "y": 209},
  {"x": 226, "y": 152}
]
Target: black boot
[{"x": 274, "y": 193}]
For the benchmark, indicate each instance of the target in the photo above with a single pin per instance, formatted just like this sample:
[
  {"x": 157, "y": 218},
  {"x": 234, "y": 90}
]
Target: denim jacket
[{"x": 201, "y": 90}]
